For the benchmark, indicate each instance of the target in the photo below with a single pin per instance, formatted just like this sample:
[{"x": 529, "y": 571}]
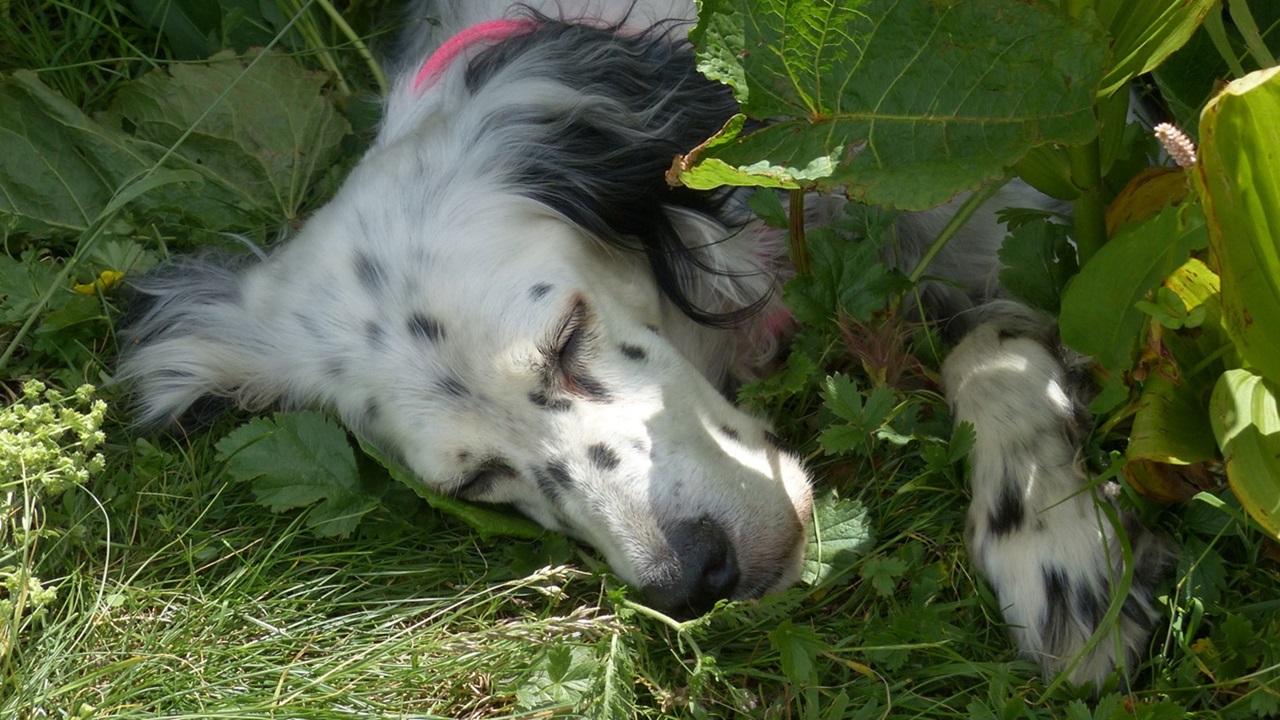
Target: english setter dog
[{"x": 506, "y": 297}]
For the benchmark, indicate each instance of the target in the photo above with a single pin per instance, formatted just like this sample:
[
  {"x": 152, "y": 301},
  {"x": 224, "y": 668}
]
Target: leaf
[
  {"x": 299, "y": 459},
  {"x": 261, "y": 128},
  {"x": 560, "y": 678},
  {"x": 798, "y": 648},
  {"x": 1238, "y": 178},
  {"x": 844, "y": 276},
  {"x": 1171, "y": 439},
  {"x": 1144, "y": 33},
  {"x": 883, "y": 574},
  {"x": 488, "y": 520},
  {"x": 1099, "y": 315},
  {"x": 903, "y": 102},
  {"x": 60, "y": 167},
  {"x": 1246, "y": 422},
  {"x": 840, "y": 533},
  {"x": 1038, "y": 261},
  {"x": 613, "y": 683}
]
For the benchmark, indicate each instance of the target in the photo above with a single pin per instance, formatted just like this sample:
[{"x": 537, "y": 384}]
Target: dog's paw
[{"x": 1047, "y": 542}]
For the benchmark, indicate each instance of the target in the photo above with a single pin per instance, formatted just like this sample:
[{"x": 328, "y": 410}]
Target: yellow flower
[{"x": 106, "y": 280}]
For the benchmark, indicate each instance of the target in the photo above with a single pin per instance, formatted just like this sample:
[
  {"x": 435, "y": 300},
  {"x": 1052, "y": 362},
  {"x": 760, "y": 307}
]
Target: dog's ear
[{"x": 189, "y": 337}]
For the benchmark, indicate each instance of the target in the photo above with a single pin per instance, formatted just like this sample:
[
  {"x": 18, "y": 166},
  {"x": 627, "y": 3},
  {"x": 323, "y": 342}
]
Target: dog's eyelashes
[{"x": 570, "y": 336}]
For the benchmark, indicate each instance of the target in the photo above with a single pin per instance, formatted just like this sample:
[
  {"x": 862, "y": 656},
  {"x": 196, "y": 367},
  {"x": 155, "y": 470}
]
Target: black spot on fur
[
  {"x": 653, "y": 329},
  {"x": 591, "y": 389},
  {"x": 426, "y": 328},
  {"x": 334, "y": 369},
  {"x": 539, "y": 291},
  {"x": 480, "y": 481},
  {"x": 452, "y": 387},
  {"x": 375, "y": 334},
  {"x": 1089, "y": 606},
  {"x": 729, "y": 432},
  {"x": 548, "y": 403},
  {"x": 553, "y": 480},
  {"x": 602, "y": 163},
  {"x": 775, "y": 441},
  {"x": 603, "y": 457},
  {"x": 633, "y": 352},
  {"x": 1009, "y": 511},
  {"x": 1056, "y": 627},
  {"x": 370, "y": 272}
]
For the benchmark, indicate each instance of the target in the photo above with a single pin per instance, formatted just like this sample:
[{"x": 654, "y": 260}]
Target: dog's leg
[{"x": 1047, "y": 542}]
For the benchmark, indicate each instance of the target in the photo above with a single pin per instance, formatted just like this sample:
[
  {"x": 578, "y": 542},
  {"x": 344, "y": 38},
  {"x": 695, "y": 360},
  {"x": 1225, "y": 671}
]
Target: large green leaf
[
  {"x": 1100, "y": 316},
  {"x": 1247, "y": 424},
  {"x": 1144, "y": 33},
  {"x": 260, "y": 129},
  {"x": 905, "y": 102},
  {"x": 300, "y": 459},
  {"x": 1238, "y": 177},
  {"x": 60, "y": 169}
]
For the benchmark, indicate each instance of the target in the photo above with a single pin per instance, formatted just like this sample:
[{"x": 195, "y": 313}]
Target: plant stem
[
  {"x": 795, "y": 234},
  {"x": 957, "y": 221},
  {"x": 1088, "y": 209}
]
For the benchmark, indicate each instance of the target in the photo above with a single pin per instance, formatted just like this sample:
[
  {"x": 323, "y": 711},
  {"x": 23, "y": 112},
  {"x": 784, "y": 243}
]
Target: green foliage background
[{"x": 274, "y": 567}]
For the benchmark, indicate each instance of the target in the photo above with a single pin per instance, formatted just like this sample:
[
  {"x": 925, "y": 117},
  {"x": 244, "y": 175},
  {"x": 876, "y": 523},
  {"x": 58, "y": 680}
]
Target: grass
[{"x": 179, "y": 596}]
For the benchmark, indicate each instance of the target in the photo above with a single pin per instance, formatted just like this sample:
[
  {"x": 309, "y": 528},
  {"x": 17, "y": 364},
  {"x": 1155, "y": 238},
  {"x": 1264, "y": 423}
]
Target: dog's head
[{"x": 506, "y": 298}]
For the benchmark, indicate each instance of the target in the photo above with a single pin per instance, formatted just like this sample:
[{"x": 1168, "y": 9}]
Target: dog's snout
[{"x": 704, "y": 569}]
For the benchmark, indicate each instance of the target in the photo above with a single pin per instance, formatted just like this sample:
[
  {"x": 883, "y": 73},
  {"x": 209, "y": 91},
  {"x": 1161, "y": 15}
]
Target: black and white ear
[{"x": 190, "y": 336}]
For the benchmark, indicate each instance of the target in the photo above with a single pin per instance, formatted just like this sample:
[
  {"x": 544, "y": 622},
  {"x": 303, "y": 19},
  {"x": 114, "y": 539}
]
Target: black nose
[{"x": 702, "y": 569}]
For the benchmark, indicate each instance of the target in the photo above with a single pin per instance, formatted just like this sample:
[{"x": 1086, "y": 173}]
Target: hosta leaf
[
  {"x": 1238, "y": 177},
  {"x": 1100, "y": 316},
  {"x": 1246, "y": 420},
  {"x": 905, "y": 102}
]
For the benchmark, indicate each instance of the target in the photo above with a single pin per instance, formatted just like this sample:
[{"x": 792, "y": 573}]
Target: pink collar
[{"x": 489, "y": 31}]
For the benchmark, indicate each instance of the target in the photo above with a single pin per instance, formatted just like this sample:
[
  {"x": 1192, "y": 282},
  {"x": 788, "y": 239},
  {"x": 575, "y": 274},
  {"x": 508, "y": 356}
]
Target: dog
[{"x": 507, "y": 298}]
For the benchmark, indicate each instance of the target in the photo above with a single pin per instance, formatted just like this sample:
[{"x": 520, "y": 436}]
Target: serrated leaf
[
  {"x": 261, "y": 128},
  {"x": 1100, "y": 316},
  {"x": 561, "y": 677},
  {"x": 299, "y": 459},
  {"x": 798, "y": 648},
  {"x": 839, "y": 534},
  {"x": 60, "y": 167},
  {"x": 883, "y": 574},
  {"x": 844, "y": 277},
  {"x": 613, "y": 683},
  {"x": 903, "y": 102},
  {"x": 1038, "y": 260},
  {"x": 962, "y": 439},
  {"x": 490, "y": 521},
  {"x": 842, "y": 396}
]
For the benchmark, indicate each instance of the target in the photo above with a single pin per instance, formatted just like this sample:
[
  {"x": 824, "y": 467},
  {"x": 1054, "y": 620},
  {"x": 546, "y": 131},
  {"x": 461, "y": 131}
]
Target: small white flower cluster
[{"x": 1177, "y": 144}]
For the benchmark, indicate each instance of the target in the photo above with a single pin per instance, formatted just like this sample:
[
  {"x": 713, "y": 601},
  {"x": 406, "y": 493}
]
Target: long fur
[{"x": 507, "y": 298}]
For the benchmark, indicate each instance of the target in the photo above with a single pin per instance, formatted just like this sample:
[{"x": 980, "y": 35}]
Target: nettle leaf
[
  {"x": 1038, "y": 260},
  {"x": 300, "y": 459},
  {"x": 839, "y": 534},
  {"x": 261, "y": 128},
  {"x": 903, "y": 102}
]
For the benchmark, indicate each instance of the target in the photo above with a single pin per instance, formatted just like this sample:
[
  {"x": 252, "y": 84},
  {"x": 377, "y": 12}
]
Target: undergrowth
[{"x": 141, "y": 577}]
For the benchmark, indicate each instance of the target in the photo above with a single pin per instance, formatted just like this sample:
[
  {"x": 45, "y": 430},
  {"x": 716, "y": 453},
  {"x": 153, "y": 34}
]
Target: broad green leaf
[
  {"x": 1170, "y": 439},
  {"x": 488, "y": 520},
  {"x": 845, "y": 277},
  {"x": 261, "y": 128},
  {"x": 1100, "y": 316},
  {"x": 1246, "y": 422},
  {"x": 1144, "y": 33},
  {"x": 298, "y": 459},
  {"x": 839, "y": 534},
  {"x": 60, "y": 168},
  {"x": 562, "y": 677},
  {"x": 1238, "y": 178},
  {"x": 1038, "y": 260},
  {"x": 798, "y": 648},
  {"x": 902, "y": 102},
  {"x": 883, "y": 574}
]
